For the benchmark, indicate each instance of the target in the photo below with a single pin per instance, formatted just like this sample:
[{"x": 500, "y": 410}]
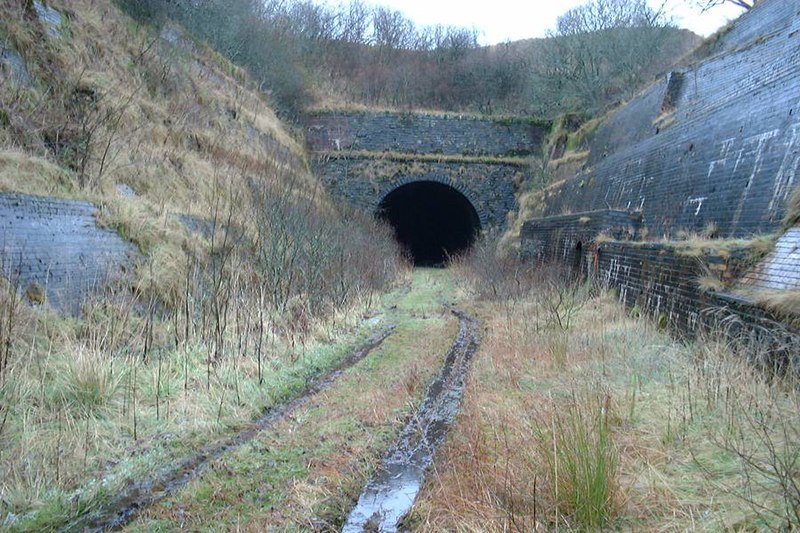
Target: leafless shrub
[
  {"x": 491, "y": 276},
  {"x": 507, "y": 278},
  {"x": 328, "y": 258},
  {"x": 563, "y": 299},
  {"x": 757, "y": 428},
  {"x": 9, "y": 324}
]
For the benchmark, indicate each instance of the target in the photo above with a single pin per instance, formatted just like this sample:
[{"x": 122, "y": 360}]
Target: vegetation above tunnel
[{"x": 598, "y": 54}]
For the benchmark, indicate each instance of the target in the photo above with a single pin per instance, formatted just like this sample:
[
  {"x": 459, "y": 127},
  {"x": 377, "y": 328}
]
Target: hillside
[
  {"x": 528, "y": 77},
  {"x": 175, "y": 153},
  {"x": 315, "y": 55},
  {"x": 97, "y": 103}
]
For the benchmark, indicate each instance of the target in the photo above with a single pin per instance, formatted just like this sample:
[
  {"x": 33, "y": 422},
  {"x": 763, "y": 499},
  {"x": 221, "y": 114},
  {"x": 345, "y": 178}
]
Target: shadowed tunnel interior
[{"x": 431, "y": 221}]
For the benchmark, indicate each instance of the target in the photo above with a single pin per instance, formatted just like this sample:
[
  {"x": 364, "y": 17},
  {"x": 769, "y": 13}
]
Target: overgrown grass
[
  {"x": 308, "y": 470},
  {"x": 87, "y": 408},
  {"x": 569, "y": 158},
  {"x": 611, "y": 424},
  {"x": 580, "y": 460},
  {"x": 783, "y": 303},
  {"x": 215, "y": 324}
]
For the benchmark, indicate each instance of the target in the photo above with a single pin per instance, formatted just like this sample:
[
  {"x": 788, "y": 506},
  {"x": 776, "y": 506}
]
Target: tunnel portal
[{"x": 431, "y": 220}]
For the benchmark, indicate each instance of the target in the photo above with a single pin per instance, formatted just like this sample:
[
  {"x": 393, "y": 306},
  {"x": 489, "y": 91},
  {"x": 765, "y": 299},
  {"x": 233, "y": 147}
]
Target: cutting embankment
[{"x": 242, "y": 281}]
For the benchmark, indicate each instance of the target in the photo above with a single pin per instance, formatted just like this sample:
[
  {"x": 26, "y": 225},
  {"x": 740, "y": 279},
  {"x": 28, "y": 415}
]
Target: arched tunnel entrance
[{"x": 431, "y": 220}]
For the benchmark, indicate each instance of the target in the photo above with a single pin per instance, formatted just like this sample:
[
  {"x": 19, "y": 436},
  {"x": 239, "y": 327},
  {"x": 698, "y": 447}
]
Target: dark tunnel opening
[{"x": 432, "y": 221}]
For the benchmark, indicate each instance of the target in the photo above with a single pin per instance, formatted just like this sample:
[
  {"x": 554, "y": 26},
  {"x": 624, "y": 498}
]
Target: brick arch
[{"x": 396, "y": 183}]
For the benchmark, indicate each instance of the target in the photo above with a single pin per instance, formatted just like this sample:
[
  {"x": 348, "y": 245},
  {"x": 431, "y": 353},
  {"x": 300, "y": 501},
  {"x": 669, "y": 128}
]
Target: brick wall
[
  {"x": 659, "y": 279},
  {"x": 55, "y": 245},
  {"x": 770, "y": 17},
  {"x": 663, "y": 284},
  {"x": 421, "y": 133},
  {"x": 719, "y": 145},
  {"x": 567, "y": 238}
]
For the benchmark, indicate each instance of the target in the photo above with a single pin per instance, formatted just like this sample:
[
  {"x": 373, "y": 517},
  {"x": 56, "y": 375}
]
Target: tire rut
[
  {"x": 391, "y": 492},
  {"x": 141, "y": 494}
]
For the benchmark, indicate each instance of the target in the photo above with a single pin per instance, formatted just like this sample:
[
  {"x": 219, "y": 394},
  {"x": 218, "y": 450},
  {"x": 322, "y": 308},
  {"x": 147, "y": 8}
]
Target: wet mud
[
  {"x": 391, "y": 492},
  {"x": 144, "y": 493}
]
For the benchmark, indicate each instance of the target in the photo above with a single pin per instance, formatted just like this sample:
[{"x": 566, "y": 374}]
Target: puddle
[
  {"x": 144, "y": 493},
  {"x": 392, "y": 490}
]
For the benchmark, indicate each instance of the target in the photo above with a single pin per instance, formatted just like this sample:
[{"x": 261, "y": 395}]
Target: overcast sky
[{"x": 504, "y": 20}]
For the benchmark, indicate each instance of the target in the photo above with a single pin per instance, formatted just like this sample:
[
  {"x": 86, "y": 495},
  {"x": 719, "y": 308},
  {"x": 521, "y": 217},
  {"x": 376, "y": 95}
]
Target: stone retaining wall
[
  {"x": 714, "y": 145},
  {"x": 423, "y": 133},
  {"x": 55, "y": 253}
]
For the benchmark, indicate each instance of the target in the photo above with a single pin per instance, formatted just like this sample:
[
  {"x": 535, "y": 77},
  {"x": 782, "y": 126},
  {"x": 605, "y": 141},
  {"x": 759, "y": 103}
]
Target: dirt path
[
  {"x": 306, "y": 472},
  {"x": 391, "y": 492},
  {"x": 144, "y": 493}
]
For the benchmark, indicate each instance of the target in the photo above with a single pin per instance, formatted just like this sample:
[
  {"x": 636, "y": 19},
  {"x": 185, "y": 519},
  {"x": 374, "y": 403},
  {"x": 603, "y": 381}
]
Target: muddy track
[
  {"x": 144, "y": 493},
  {"x": 391, "y": 492}
]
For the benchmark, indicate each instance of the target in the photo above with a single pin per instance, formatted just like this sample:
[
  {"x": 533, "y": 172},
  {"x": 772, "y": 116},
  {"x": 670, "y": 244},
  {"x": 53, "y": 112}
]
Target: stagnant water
[{"x": 391, "y": 492}]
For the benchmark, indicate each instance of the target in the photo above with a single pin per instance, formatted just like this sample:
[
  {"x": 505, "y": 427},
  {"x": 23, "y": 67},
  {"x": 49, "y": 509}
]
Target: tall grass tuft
[
  {"x": 792, "y": 210},
  {"x": 86, "y": 382},
  {"x": 576, "y": 445}
]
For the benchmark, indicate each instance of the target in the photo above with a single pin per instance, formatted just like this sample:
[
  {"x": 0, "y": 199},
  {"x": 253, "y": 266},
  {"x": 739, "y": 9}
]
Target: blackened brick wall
[
  {"x": 663, "y": 284},
  {"x": 726, "y": 151},
  {"x": 567, "y": 238},
  {"x": 423, "y": 133},
  {"x": 771, "y": 16}
]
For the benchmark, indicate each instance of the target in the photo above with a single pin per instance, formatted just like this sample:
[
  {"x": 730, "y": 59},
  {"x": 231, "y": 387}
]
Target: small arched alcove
[
  {"x": 578, "y": 261},
  {"x": 431, "y": 220}
]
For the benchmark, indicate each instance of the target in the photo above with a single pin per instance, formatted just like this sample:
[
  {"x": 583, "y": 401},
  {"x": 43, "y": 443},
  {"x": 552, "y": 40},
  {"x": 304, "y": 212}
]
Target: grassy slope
[{"x": 175, "y": 122}]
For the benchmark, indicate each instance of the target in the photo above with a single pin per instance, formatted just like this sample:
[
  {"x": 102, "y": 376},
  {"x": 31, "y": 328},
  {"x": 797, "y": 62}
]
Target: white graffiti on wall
[
  {"x": 787, "y": 172},
  {"x": 752, "y": 152},
  {"x": 699, "y": 202}
]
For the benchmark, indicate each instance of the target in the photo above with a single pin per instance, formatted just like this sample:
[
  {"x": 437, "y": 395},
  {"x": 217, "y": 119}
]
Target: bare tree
[
  {"x": 705, "y": 5},
  {"x": 599, "y": 52}
]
